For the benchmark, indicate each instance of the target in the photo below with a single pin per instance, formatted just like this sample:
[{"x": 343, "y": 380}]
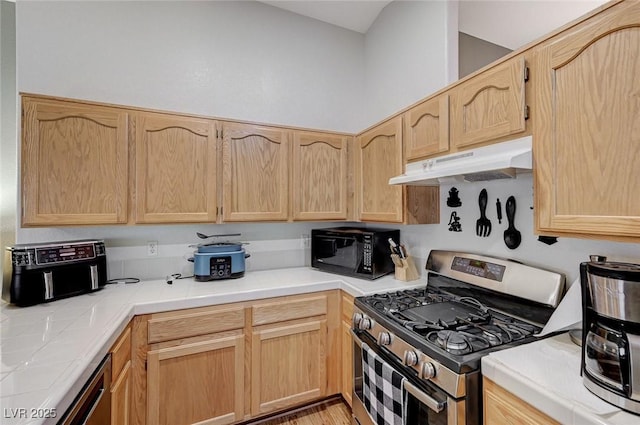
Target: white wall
[
  {"x": 243, "y": 60},
  {"x": 513, "y": 24},
  {"x": 406, "y": 56},
  {"x": 8, "y": 145}
]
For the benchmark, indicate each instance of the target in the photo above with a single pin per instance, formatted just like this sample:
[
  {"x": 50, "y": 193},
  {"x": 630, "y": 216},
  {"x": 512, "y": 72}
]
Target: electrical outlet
[
  {"x": 305, "y": 241},
  {"x": 152, "y": 248}
]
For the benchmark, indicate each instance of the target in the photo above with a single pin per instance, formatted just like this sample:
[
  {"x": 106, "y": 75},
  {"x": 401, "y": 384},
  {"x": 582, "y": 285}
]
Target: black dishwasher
[{"x": 93, "y": 405}]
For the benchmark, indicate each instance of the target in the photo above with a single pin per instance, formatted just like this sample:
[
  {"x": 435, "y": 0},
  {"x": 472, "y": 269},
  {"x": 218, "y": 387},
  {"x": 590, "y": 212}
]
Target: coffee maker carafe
[{"x": 611, "y": 331}]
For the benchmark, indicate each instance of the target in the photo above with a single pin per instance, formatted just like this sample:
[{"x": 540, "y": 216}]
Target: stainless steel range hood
[{"x": 498, "y": 161}]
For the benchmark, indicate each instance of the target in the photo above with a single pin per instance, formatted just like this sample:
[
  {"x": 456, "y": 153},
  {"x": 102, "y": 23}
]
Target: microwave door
[{"x": 337, "y": 251}]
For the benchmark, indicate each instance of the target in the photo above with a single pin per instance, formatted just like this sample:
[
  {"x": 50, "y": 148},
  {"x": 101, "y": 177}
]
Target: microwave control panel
[{"x": 367, "y": 243}]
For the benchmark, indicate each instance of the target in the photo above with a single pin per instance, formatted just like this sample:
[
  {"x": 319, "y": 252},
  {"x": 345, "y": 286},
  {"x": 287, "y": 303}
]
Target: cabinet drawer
[
  {"x": 289, "y": 309},
  {"x": 120, "y": 353},
  {"x": 184, "y": 324}
]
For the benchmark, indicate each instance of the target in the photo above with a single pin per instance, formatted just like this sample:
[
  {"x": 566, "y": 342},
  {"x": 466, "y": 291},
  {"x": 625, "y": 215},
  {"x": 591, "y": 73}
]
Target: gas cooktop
[{"x": 471, "y": 305}]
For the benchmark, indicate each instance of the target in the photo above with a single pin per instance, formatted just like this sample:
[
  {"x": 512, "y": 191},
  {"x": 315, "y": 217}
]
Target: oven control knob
[
  {"x": 365, "y": 324},
  {"x": 427, "y": 370},
  {"x": 384, "y": 338},
  {"x": 410, "y": 358},
  {"x": 356, "y": 319}
]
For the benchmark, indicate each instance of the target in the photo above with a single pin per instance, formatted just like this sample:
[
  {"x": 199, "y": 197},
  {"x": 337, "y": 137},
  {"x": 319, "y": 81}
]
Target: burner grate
[{"x": 446, "y": 313}]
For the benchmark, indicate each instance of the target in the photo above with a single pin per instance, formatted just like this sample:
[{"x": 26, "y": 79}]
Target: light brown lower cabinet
[
  {"x": 121, "y": 379},
  {"x": 198, "y": 382},
  {"x": 502, "y": 407},
  {"x": 230, "y": 363},
  {"x": 288, "y": 364},
  {"x": 346, "y": 387}
]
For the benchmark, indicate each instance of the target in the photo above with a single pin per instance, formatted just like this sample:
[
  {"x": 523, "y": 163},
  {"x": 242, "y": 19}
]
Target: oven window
[{"x": 417, "y": 412}]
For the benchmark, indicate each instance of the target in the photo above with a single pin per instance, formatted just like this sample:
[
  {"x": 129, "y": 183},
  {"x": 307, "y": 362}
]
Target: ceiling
[
  {"x": 508, "y": 23},
  {"x": 354, "y": 15}
]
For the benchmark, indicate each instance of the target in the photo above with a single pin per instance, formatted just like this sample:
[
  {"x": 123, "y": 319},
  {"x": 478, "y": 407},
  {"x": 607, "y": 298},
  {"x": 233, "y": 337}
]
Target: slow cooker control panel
[{"x": 220, "y": 267}]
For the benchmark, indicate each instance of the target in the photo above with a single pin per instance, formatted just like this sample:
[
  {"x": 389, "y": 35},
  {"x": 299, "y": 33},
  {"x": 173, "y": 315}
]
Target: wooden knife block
[{"x": 405, "y": 268}]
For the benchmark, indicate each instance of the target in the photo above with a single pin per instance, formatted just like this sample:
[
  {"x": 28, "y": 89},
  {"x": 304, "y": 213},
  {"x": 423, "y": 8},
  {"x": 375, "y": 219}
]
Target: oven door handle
[
  {"x": 433, "y": 404},
  {"x": 427, "y": 400}
]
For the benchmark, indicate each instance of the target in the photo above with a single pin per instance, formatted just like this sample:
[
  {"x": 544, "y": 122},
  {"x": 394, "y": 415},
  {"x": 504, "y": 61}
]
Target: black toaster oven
[{"x": 50, "y": 271}]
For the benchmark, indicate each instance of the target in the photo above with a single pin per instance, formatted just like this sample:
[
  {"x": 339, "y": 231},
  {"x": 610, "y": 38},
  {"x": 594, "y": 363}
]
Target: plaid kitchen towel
[{"x": 383, "y": 389}]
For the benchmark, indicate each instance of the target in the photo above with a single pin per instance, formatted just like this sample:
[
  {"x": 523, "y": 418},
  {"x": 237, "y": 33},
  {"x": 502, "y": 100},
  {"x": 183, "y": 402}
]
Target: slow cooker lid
[{"x": 615, "y": 270}]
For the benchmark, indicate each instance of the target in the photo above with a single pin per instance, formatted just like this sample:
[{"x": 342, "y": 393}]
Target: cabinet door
[
  {"x": 74, "y": 163},
  {"x": 319, "y": 176},
  {"x": 175, "y": 169},
  {"x": 490, "y": 105},
  {"x": 347, "y": 348},
  {"x": 378, "y": 158},
  {"x": 587, "y": 137},
  {"x": 200, "y": 382},
  {"x": 502, "y": 407},
  {"x": 426, "y": 128},
  {"x": 120, "y": 397},
  {"x": 255, "y": 173},
  {"x": 288, "y": 365}
]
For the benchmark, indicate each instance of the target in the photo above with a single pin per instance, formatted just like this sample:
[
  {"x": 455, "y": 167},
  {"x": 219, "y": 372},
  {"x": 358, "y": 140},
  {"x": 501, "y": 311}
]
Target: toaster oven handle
[{"x": 433, "y": 404}]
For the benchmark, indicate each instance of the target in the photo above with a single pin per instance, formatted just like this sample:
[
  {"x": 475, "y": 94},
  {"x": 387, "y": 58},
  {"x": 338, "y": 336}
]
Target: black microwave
[{"x": 353, "y": 251}]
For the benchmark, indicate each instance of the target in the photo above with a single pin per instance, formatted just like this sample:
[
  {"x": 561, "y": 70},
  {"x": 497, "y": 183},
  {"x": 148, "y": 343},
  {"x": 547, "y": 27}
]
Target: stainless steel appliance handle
[
  {"x": 433, "y": 404},
  {"x": 95, "y": 404},
  {"x": 427, "y": 400}
]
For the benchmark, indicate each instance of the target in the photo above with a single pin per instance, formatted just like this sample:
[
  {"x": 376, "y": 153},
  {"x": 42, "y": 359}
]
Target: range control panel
[
  {"x": 478, "y": 268},
  {"x": 220, "y": 267}
]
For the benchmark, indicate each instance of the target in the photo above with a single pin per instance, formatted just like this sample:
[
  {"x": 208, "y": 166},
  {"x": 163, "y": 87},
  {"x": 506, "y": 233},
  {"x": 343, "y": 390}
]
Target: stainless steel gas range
[{"x": 435, "y": 336}]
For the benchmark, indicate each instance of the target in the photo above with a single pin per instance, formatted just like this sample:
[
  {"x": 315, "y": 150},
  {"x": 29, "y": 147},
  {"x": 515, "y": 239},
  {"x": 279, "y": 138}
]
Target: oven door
[
  {"x": 336, "y": 252},
  {"x": 426, "y": 403}
]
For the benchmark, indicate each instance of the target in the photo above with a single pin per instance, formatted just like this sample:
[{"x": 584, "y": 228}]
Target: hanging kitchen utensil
[
  {"x": 512, "y": 236},
  {"x": 454, "y": 223},
  {"x": 453, "y": 200},
  {"x": 499, "y": 208},
  {"x": 483, "y": 225}
]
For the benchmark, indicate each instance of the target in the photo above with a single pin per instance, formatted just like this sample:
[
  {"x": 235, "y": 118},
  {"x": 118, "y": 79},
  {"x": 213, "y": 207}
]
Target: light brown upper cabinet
[
  {"x": 490, "y": 105},
  {"x": 378, "y": 157},
  {"x": 175, "y": 169},
  {"x": 319, "y": 176},
  {"x": 255, "y": 164},
  {"x": 587, "y": 134},
  {"x": 74, "y": 163},
  {"x": 426, "y": 128}
]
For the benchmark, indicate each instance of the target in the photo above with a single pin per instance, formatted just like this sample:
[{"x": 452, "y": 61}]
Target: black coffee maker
[{"x": 610, "y": 365}]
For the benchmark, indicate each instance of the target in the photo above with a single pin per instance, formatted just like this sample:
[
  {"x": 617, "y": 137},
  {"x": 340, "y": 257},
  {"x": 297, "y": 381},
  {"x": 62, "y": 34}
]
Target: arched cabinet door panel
[
  {"x": 74, "y": 163},
  {"x": 255, "y": 173},
  {"x": 490, "y": 105},
  {"x": 587, "y": 136},
  {"x": 426, "y": 128},
  {"x": 378, "y": 157},
  {"x": 319, "y": 176},
  {"x": 175, "y": 169}
]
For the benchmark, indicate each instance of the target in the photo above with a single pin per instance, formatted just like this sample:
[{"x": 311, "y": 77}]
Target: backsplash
[{"x": 564, "y": 256}]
